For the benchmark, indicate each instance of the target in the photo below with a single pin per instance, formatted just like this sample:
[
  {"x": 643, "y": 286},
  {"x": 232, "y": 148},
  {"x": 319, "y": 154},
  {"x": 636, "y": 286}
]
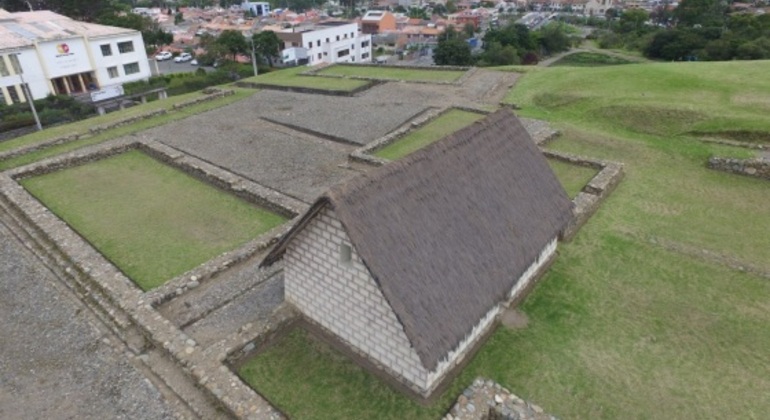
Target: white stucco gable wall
[{"x": 344, "y": 299}]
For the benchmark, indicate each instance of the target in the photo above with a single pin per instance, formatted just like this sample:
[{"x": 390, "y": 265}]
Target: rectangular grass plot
[{"x": 154, "y": 222}]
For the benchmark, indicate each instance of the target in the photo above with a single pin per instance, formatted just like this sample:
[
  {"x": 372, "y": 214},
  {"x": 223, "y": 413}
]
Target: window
[
  {"x": 126, "y": 47},
  {"x": 352, "y": 35},
  {"x": 15, "y": 63},
  {"x": 310, "y": 45},
  {"x": 343, "y": 53},
  {"x": 131, "y": 68},
  {"x": 364, "y": 44},
  {"x": 318, "y": 43},
  {"x": 346, "y": 254},
  {"x": 327, "y": 40},
  {"x": 3, "y": 67},
  {"x": 319, "y": 56},
  {"x": 365, "y": 55},
  {"x": 113, "y": 72},
  {"x": 14, "y": 94},
  {"x": 106, "y": 50},
  {"x": 338, "y": 37}
]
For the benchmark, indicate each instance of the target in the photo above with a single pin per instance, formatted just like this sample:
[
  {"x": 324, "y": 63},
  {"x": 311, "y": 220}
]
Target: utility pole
[
  {"x": 28, "y": 95},
  {"x": 253, "y": 55}
]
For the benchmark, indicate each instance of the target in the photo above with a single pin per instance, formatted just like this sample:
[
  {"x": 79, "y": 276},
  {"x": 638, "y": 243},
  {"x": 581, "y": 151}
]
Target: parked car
[
  {"x": 184, "y": 57},
  {"x": 163, "y": 55},
  {"x": 194, "y": 63}
]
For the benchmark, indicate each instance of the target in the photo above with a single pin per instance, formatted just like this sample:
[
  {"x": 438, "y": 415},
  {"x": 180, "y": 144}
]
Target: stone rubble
[{"x": 487, "y": 400}]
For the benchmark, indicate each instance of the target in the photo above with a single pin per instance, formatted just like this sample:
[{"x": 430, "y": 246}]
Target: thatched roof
[{"x": 447, "y": 230}]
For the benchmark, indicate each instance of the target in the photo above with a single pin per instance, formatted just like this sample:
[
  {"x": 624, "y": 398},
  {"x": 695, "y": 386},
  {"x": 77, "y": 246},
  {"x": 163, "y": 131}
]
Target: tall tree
[
  {"x": 232, "y": 42},
  {"x": 452, "y": 50},
  {"x": 267, "y": 45}
]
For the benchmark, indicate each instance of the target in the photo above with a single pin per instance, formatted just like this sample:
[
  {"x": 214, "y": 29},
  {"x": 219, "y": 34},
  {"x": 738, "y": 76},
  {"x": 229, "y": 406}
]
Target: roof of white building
[{"x": 22, "y": 29}]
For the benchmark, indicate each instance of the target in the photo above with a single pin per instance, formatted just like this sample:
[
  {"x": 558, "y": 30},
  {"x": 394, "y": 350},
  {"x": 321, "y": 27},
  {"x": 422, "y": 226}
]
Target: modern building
[
  {"x": 328, "y": 42},
  {"x": 408, "y": 267},
  {"x": 257, "y": 8},
  {"x": 53, "y": 54},
  {"x": 377, "y": 21}
]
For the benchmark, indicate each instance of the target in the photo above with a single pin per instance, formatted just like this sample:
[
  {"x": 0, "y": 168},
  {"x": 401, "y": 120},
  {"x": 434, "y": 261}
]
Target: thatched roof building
[{"x": 442, "y": 237}]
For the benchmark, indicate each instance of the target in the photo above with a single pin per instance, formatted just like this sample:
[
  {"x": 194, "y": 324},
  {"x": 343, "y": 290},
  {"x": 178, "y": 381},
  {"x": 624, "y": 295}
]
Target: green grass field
[
  {"x": 590, "y": 59},
  {"x": 292, "y": 78},
  {"x": 440, "y": 127},
  {"x": 83, "y": 126},
  {"x": 394, "y": 73},
  {"x": 152, "y": 221},
  {"x": 572, "y": 177},
  {"x": 633, "y": 320}
]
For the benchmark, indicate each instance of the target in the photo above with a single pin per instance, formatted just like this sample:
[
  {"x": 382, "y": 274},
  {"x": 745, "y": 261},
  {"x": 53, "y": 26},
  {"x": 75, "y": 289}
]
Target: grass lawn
[
  {"x": 442, "y": 126},
  {"x": 631, "y": 321},
  {"x": 590, "y": 59},
  {"x": 572, "y": 177},
  {"x": 292, "y": 78},
  {"x": 152, "y": 221},
  {"x": 394, "y": 73},
  {"x": 82, "y": 126}
]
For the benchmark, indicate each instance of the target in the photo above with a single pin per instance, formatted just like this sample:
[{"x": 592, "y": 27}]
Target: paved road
[{"x": 169, "y": 66}]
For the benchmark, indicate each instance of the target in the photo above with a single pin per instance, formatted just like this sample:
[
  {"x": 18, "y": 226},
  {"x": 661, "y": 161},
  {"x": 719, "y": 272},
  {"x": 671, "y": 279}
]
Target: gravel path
[
  {"x": 254, "y": 306},
  {"x": 57, "y": 361}
]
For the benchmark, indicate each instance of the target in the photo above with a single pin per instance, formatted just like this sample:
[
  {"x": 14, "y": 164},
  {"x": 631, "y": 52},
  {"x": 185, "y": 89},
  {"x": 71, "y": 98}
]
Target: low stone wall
[
  {"x": 211, "y": 94},
  {"x": 488, "y": 400},
  {"x": 759, "y": 168},
  {"x": 312, "y": 91},
  {"x": 125, "y": 305},
  {"x": 468, "y": 73},
  {"x": 364, "y": 154},
  {"x": 587, "y": 202}
]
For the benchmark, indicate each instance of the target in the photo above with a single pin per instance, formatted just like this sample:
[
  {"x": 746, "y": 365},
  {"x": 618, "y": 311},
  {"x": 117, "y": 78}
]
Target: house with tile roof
[{"x": 407, "y": 267}]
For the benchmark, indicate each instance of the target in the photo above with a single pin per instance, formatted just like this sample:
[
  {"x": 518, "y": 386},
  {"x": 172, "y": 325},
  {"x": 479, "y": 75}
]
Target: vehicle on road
[
  {"x": 163, "y": 55},
  {"x": 194, "y": 63},
  {"x": 184, "y": 57}
]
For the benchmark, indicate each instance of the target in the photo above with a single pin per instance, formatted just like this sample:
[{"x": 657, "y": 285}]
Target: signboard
[
  {"x": 65, "y": 57},
  {"x": 108, "y": 92}
]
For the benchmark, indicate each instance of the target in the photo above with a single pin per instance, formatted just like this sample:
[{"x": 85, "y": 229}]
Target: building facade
[
  {"x": 53, "y": 54},
  {"x": 329, "y": 42}
]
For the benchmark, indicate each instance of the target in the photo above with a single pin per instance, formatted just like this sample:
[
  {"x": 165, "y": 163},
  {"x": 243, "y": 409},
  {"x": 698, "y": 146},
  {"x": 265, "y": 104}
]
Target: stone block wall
[
  {"x": 759, "y": 168},
  {"x": 344, "y": 299}
]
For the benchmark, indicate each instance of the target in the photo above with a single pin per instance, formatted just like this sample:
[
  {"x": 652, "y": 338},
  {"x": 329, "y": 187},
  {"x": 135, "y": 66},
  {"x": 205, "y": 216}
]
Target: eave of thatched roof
[{"x": 447, "y": 231}]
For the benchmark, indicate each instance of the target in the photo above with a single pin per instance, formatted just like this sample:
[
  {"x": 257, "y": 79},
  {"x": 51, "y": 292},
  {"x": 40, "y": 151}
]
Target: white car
[
  {"x": 181, "y": 58},
  {"x": 163, "y": 55}
]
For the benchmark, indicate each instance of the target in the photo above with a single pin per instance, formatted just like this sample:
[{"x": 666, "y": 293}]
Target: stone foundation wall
[
  {"x": 256, "y": 85},
  {"x": 211, "y": 94},
  {"x": 469, "y": 71},
  {"x": 587, "y": 202},
  {"x": 488, "y": 400},
  {"x": 365, "y": 154},
  {"x": 759, "y": 168}
]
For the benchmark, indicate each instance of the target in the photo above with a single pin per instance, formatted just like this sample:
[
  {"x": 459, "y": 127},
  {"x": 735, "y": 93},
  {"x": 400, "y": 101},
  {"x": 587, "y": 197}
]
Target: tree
[
  {"x": 267, "y": 45},
  {"x": 700, "y": 12},
  {"x": 232, "y": 42},
  {"x": 417, "y": 13},
  {"x": 553, "y": 38},
  {"x": 178, "y": 18},
  {"x": 498, "y": 55},
  {"x": 452, "y": 50},
  {"x": 469, "y": 30},
  {"x": 633, "y": 20}
]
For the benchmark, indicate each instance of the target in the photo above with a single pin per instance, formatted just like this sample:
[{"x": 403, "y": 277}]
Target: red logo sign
[{"x": 63, "y": 48}]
